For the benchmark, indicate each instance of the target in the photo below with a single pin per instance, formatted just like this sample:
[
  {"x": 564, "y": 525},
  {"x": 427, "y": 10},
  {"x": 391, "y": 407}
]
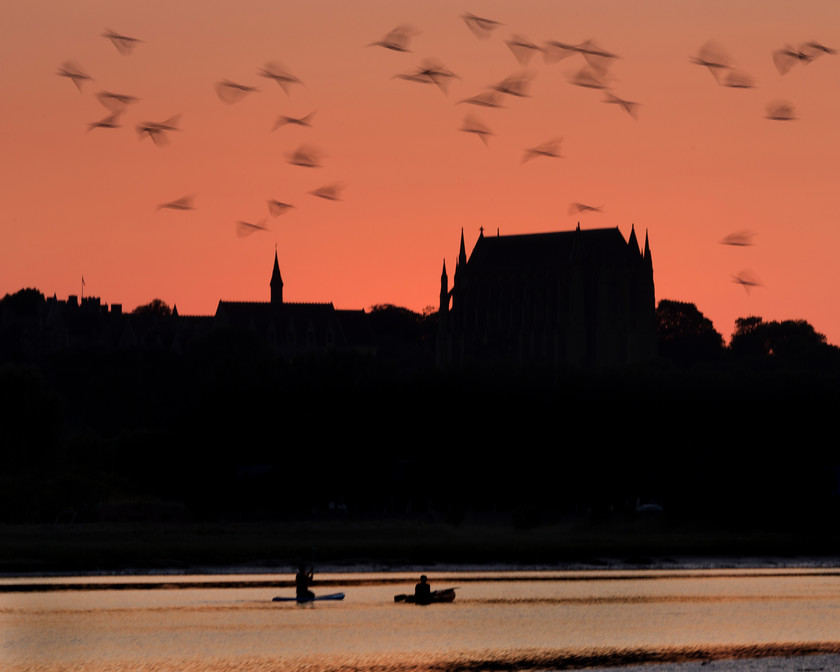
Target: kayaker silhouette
[
  {"x": 423, "y": 591},
  {"x": 302, "y": 581}
]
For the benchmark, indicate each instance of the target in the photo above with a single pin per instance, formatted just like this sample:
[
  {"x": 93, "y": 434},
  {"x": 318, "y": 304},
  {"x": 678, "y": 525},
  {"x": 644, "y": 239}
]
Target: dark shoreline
[{"x": 393, "y": 545}]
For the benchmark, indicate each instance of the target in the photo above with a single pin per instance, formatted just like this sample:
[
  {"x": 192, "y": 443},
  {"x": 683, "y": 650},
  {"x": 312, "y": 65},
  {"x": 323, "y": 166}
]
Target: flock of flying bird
[
  {"x": 227, "y": 91},
  {"x": 719, "y": 64},
  {"x": 594, "y": 73}
]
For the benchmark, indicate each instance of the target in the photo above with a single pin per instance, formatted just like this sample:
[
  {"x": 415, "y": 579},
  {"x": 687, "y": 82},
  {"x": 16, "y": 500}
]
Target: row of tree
[
  {"x": 227, "y": 430},
  {"x": 686, "y": 338}
]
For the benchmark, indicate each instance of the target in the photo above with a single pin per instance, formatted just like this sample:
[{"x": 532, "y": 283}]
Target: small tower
[
  {"x": 442, "y": 350},
  {"x": 276, "y": 283},
  {"x": 444, "y": 291}
]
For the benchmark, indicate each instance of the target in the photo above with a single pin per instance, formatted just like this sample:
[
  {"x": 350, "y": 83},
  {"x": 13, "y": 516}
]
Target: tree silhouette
[
  {"x": 156, "y": 307},
  {"x": 23, "y": 302},
  {"x": 789, "y": 341},
  {"x": 685, "y": 335}
]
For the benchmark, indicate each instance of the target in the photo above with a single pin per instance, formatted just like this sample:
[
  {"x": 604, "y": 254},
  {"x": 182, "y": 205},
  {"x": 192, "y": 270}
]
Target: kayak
[
  {"x": 331, "y": 596},
  {"x": 446, "y": 595}
]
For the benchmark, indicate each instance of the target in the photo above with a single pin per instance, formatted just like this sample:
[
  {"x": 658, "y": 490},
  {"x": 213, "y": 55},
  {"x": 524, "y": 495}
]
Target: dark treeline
[{"x": 224, "y": 429}]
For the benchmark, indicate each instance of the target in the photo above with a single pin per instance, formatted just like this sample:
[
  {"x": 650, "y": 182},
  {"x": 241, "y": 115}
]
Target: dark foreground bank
[{"x": 642, "y": 541}]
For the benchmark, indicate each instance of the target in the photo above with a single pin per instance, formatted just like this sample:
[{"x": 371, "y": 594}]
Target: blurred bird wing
[
  {"x": 183, "y": 203},
  {"x": 581, "y": 207},
  {"x": 523, "y": 49},
  {"x": 330, "y": 192},
  {"x": 124, "y": 44},
  {"x": 550, "y": 148},
  {"x": 515, "y": 85},
  {"x": 281, "y": 75},
  {"x": 812, "y": 49},
  {"x": 472, "y": 125},
  {"x": 737, "y": 79},
  {"x": 479, "y": 26},
  {"x": 115, "y": 101},
  {"x": 555, "y": 51},
  {"x": 597, "y": 58},
  {"x": 738, "y": 239},
  {"x": 231, "y": 92},
  {"x": 305, "y": 156},
  {"x": 277, "y": 208},
  {"x": 247, "y": 228},
  {"x": 712, "y": 55},
  {"x": 589, "y": 78},
  {"x": 780, "y": 111},
  {"x": 489, "y": 98},
  {"x": 399, "y": 38},
  {"x": 784, "y": 60}
]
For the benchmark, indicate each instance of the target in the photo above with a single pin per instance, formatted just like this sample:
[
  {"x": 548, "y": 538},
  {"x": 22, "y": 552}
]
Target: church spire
[
  {"x": 444, "y": 290},
  {"x": 276, "y": 282},
  {"x": 633, "y": 243}
]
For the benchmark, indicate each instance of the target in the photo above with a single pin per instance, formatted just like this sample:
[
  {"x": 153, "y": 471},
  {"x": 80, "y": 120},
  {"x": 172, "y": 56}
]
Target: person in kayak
[
  {"x": 302, "y": 581},
  {"x": 423, "y": 591}
]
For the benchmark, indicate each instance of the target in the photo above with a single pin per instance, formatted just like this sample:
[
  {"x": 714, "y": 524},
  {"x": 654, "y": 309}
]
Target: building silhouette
[
  {"x": 290, "y": 330},
  {"x": 579, "y": 299},
  {"x": 295, "y": 329}
]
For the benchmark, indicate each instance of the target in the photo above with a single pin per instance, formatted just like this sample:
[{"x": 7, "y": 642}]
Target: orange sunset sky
[{"x": 699, "y": 162}]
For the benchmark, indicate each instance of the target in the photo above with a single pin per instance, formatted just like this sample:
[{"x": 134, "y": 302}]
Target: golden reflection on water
[{"x": 521, "y": 623}]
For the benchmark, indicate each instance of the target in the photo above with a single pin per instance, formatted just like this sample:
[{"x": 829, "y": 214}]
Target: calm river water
[{"x": 500, "y": 620}]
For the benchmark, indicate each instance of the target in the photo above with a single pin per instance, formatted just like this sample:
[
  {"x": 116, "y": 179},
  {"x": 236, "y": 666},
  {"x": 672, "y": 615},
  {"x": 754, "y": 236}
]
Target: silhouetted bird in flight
[
  {"x": 430, "y": 72},
  {"x": 398, "y": 39},
  {"x": 598, "y": 58},
  {"x": 556, "y": 51},
  {"x": 713, "y": 57},
  {"x": 550, "y": 148},
  {"x": 815, "y": 49},
  {"x": 305, "y": 156},
  {"x": 515, "y": 85},
  {"x": 473, "y": 125},
  {"x": 329, "y": 192},
  {"x": 629, "y": 106},
  {"x": 247, "y": 228},
  {"x": 747, "y": 280},
  {"x": 279, "y": 74},
  {"x": 738, "y": 239},
  {"x": 157, "y": 131},
  {"x": 479, "y": 26},
  {"x": 108, "y": 122},
  {"x": 489, "y": 98},
  {"x": 523, "y": 49},
  {"x": 435, "y": 71},
  {"x": 582, "y": 207},
  {"x": 590, "y": 78},
  {"x": 116, "y": 102},
  {"x": 183, "y": 203},
  {"x": 74, "y": 73},
  {"x": 786, "y": 57},
  {"x": 737, "y": 79},
  {"x": 780, "y": 111},
  {"x": 124, "y": 44},
  {"x": 277, "y": 208},
  {"x": 719, "y": 63},
  {"x": 231, "y": 92},
  {"x": 283, "y": 120}
]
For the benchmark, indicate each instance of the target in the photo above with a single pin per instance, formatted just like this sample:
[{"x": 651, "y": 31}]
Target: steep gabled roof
[{"x": 537, "y": 251}]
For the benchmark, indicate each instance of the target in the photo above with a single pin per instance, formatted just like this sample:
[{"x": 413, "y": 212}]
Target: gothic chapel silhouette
[{"x": 579, "y": 299}]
